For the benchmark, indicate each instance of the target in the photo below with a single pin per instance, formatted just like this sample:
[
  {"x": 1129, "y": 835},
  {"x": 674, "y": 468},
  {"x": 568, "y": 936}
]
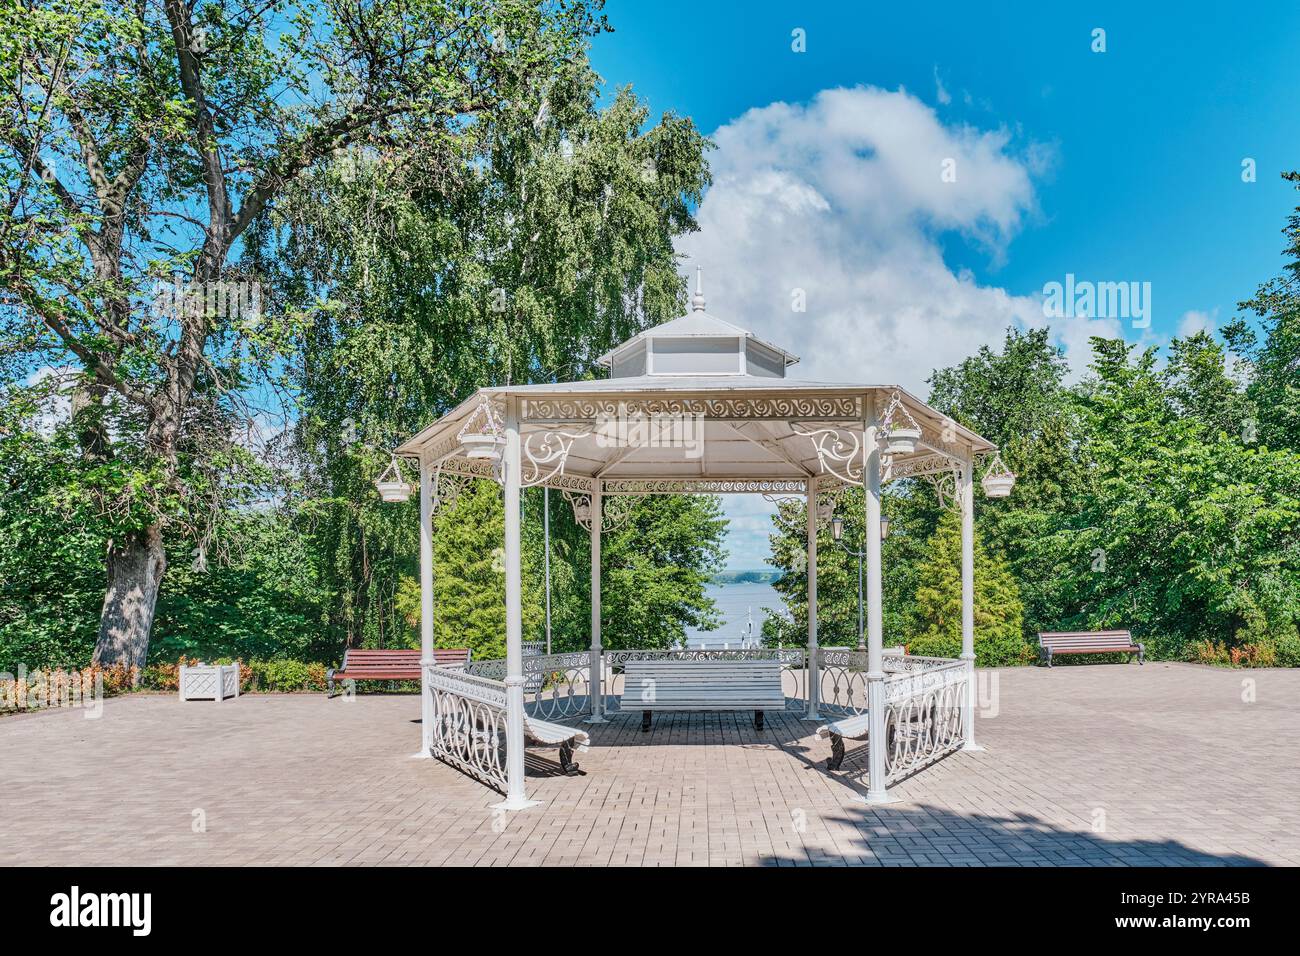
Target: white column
[
  {"x": 967, "y": 498},
  {"x": 876, "y": 790},
  {"x": 814, "y": 670},
  {"x": 516, "y": 797},
  {"x": 426, "y": 603},
  {"x": 595, "y": 677}
]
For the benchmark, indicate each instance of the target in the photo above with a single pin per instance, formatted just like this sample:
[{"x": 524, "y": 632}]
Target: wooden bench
[
  {"x": 667, "y": 685},
  {"x": 390, "y": 664},
  {"x": 1088, "y": 642}
]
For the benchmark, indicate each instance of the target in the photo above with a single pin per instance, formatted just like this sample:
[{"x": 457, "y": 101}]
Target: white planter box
[{"x": 209, "y": 682}]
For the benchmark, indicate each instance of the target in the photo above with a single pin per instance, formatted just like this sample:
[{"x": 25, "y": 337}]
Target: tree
[
  {"x": 1017, "y": 398},
  {"x": 999, "y": 628},
  {"x": 1188, "y": 531},
  {"x": 143, "y": 141},
  {"x": 1273, "y": 365},
  {"x": 656, "y": 568},
  {"x": 545, "y": 238}
]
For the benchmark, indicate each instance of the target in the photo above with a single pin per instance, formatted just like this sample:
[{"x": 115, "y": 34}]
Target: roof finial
[{"x": 697, "y": 300}]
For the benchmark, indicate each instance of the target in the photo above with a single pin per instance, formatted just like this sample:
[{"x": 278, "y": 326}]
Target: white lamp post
[{"x": 837, "y": 532}]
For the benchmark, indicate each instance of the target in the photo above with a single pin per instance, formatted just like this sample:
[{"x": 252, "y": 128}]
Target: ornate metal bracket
[
  {"x": 544, "y": 458},
  {"x": 447, "y": 489},
  {"x": 947, "y": 484},
  {"x": 614, "y": 513},
  {"x": 837, "y": 455}
]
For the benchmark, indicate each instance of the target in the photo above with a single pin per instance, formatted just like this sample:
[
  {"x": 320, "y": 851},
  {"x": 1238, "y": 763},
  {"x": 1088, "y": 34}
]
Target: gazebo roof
[{"x": 697, "y": 403}]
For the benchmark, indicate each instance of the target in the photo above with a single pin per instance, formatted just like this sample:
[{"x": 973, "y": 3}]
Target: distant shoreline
[{"x": 761, "y": 576}]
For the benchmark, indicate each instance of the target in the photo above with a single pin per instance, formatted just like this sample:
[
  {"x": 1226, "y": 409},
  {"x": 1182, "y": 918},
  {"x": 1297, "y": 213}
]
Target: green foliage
[
  {"x": 1017, "y": 398},
  {"x": 261, "y": 598},
  {"x": 1273, "y": 360},
  {"x": 469, "y": 576},
  {"x": 285, "y": 676},
  {"x": 538, "y": 239},
  {"x": 999, "y": 625},
  {"x": 51, "y": 556}
]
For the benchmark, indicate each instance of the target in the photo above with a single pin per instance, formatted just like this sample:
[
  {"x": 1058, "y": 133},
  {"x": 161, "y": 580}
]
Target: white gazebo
[{"x": 695, "y": 405}]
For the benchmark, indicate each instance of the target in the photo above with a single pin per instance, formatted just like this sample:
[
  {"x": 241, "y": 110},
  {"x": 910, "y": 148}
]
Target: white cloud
[
  {"x": 845, "y": 199},
  {"x": 1194, "y": 321},
  {"x": 940, "y": 92}
]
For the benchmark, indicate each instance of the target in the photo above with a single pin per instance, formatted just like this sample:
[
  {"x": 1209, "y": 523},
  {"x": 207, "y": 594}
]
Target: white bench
[
  {"x": 667, "y": 685},
  {"x": 854, "y": 728},
  {"x": 567, "y": 739}
]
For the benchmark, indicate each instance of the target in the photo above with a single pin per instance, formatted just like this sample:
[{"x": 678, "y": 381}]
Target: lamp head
[{"x": 837, "y": 528}]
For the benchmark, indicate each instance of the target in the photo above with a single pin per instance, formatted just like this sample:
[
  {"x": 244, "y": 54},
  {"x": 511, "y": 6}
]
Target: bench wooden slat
[
  {"x": 397, "y": 663},
  {"x": 1088, "y": 642}
]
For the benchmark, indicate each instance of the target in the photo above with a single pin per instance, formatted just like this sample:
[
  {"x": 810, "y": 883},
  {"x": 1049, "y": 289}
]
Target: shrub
[
  {"x": 999, "y": 613},
  {"x": 284, "y": 676}
]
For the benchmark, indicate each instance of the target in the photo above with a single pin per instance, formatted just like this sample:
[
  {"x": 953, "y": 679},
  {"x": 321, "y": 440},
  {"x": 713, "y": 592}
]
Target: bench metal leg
[
  {"x": 329, "y": 683},
  {"x": 567, "y": 763},
  {"x": 837, "y": 752},
  {"x": 1049, "y": 657},
  {"x": 645, "y": 721},
  {"x": 758, "y": 720},
  {"x": 1142, "y": 652}
]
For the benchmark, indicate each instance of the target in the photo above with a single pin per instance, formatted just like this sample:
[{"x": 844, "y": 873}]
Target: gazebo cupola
[{"x": 696, "y": 344}]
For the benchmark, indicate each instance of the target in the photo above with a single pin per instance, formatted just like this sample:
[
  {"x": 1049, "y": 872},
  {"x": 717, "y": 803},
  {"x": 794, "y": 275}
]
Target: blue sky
[{"x": 1115, "y": 166}]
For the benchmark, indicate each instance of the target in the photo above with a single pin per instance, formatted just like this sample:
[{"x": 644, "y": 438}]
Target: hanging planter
[
  {"x": 901, "y": 430},
  {"x": 902, "y": 441},
  {"x": 481, "y": 436},
  {"x": 390, "y": 485},
  {"x": 481, "y": 445},
  {"x": 998, "y": 480}
]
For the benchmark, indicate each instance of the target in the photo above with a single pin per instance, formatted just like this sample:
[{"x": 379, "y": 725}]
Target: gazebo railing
[
  {"x": 923, "y": 714},
  {"x": 923, "y": 703},
  {"x": 923, "y": 721},
  {"x": 844, "y": 676},
  {"x": 555, "y": 685},
  {"x": 468, "y": 725}
]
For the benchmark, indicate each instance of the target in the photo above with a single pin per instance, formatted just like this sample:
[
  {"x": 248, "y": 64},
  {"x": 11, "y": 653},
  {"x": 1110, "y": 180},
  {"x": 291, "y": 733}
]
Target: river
[{"x": 737, "y": 604}]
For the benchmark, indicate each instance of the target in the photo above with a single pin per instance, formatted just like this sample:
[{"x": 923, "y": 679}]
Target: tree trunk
[{"x": 135, "y": 571}]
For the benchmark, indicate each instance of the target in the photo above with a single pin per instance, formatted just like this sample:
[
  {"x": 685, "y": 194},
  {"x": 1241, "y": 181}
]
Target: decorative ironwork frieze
[
  {"x": 815, "y": 407},
  {"x": 704, "y": 486}
]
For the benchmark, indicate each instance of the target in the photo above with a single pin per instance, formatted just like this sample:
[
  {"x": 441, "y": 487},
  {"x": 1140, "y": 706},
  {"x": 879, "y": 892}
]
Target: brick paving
[{"x": 1104, "y": 765}]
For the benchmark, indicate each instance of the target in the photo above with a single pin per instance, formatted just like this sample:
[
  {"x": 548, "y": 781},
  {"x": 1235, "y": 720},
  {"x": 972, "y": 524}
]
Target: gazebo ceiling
[{"x": 696, "y": 400}]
